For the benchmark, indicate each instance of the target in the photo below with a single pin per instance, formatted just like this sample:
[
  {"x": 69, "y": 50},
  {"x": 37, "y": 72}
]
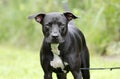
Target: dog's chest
[{"x": 57, "y": 62}]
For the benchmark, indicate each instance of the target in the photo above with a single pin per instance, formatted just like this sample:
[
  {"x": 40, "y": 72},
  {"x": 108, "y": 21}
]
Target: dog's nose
[{"x": 54, "y": 35}]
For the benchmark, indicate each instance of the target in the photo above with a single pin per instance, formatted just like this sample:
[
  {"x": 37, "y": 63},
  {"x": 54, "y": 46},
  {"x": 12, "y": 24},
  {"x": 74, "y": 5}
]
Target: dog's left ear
[{"x": 69, "y": 16}]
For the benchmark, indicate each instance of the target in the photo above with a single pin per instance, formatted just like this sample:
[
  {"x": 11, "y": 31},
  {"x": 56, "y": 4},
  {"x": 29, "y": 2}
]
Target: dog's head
[{"x": 54, "y": 25}]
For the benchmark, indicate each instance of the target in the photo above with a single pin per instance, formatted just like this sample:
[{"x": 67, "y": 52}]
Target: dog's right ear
[
  {"x": 38, "y": 17},
  {"x": 70, "y": 16}
]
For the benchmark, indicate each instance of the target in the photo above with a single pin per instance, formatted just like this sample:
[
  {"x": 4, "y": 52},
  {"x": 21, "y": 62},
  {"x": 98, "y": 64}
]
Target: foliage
[{"x": 99, "y": 21}]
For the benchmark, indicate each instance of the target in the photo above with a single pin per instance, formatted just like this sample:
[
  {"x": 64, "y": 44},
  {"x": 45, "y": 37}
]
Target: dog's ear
[
  {"x": 69, "y": 16},
  {"x": 38, "y": 17}
]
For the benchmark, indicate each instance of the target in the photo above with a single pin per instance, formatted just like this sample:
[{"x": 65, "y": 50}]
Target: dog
[{"x": 64, "y": 47}]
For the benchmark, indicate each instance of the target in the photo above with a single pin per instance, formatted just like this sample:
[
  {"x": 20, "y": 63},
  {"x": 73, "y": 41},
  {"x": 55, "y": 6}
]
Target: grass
[{"x": 16, "y": 63}]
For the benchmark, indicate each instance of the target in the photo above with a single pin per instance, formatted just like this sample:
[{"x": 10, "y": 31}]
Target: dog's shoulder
[
  {"x": 76, "y": 33},
  {"x": 72, "y": 29}
]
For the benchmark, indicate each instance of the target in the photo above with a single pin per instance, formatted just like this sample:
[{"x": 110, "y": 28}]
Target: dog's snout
[{"x": 54, "y": 35}]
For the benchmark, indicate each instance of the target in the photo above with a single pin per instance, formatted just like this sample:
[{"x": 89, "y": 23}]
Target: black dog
[{"x": 64, "y": 48}]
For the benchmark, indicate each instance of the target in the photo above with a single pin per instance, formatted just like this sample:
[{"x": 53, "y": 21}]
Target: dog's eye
[
  {"x": 46, "y": 28},
  {"x": 61, "y": 24},
  {"x": 49, "y": 24}
]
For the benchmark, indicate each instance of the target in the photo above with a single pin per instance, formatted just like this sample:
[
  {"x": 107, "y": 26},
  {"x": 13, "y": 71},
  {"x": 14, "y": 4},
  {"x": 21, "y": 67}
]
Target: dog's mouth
[
  {"x": 55, "y": 40},
  {"x": 58, "y": 40}
]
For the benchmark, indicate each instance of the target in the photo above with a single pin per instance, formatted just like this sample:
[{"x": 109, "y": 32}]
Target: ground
[{"x": 16, "y": 63}]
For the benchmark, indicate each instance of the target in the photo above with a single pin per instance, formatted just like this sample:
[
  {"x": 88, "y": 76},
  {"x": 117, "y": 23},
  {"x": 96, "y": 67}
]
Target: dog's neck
[{"x": 55, "y": 50}]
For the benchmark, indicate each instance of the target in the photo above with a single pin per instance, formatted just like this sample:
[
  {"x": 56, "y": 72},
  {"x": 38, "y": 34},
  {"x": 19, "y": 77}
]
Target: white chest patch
[{"x": 57, "y": 61}]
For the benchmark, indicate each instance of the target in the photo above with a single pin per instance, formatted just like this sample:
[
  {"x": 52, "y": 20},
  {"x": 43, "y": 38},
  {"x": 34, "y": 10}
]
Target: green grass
[{"x": 24, "y": 64}]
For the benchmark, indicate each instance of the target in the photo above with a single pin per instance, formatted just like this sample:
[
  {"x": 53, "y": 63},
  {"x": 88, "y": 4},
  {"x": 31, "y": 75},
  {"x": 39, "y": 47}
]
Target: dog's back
[{"x": 78, "y": 38}]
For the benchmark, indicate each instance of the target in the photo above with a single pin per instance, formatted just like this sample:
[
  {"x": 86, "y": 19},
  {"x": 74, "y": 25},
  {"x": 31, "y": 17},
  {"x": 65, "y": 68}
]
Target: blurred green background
[{"x": 20, "y": 38}]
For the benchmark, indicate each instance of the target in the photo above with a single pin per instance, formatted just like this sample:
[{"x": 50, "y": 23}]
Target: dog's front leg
[
  {"x": 77, "y": 74},
  {"x": 48, "y": 76},
  {"x": 74, "y": 63},
  {"x": 45, "y": 61},
  {"x": 61, "y": 75}
]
